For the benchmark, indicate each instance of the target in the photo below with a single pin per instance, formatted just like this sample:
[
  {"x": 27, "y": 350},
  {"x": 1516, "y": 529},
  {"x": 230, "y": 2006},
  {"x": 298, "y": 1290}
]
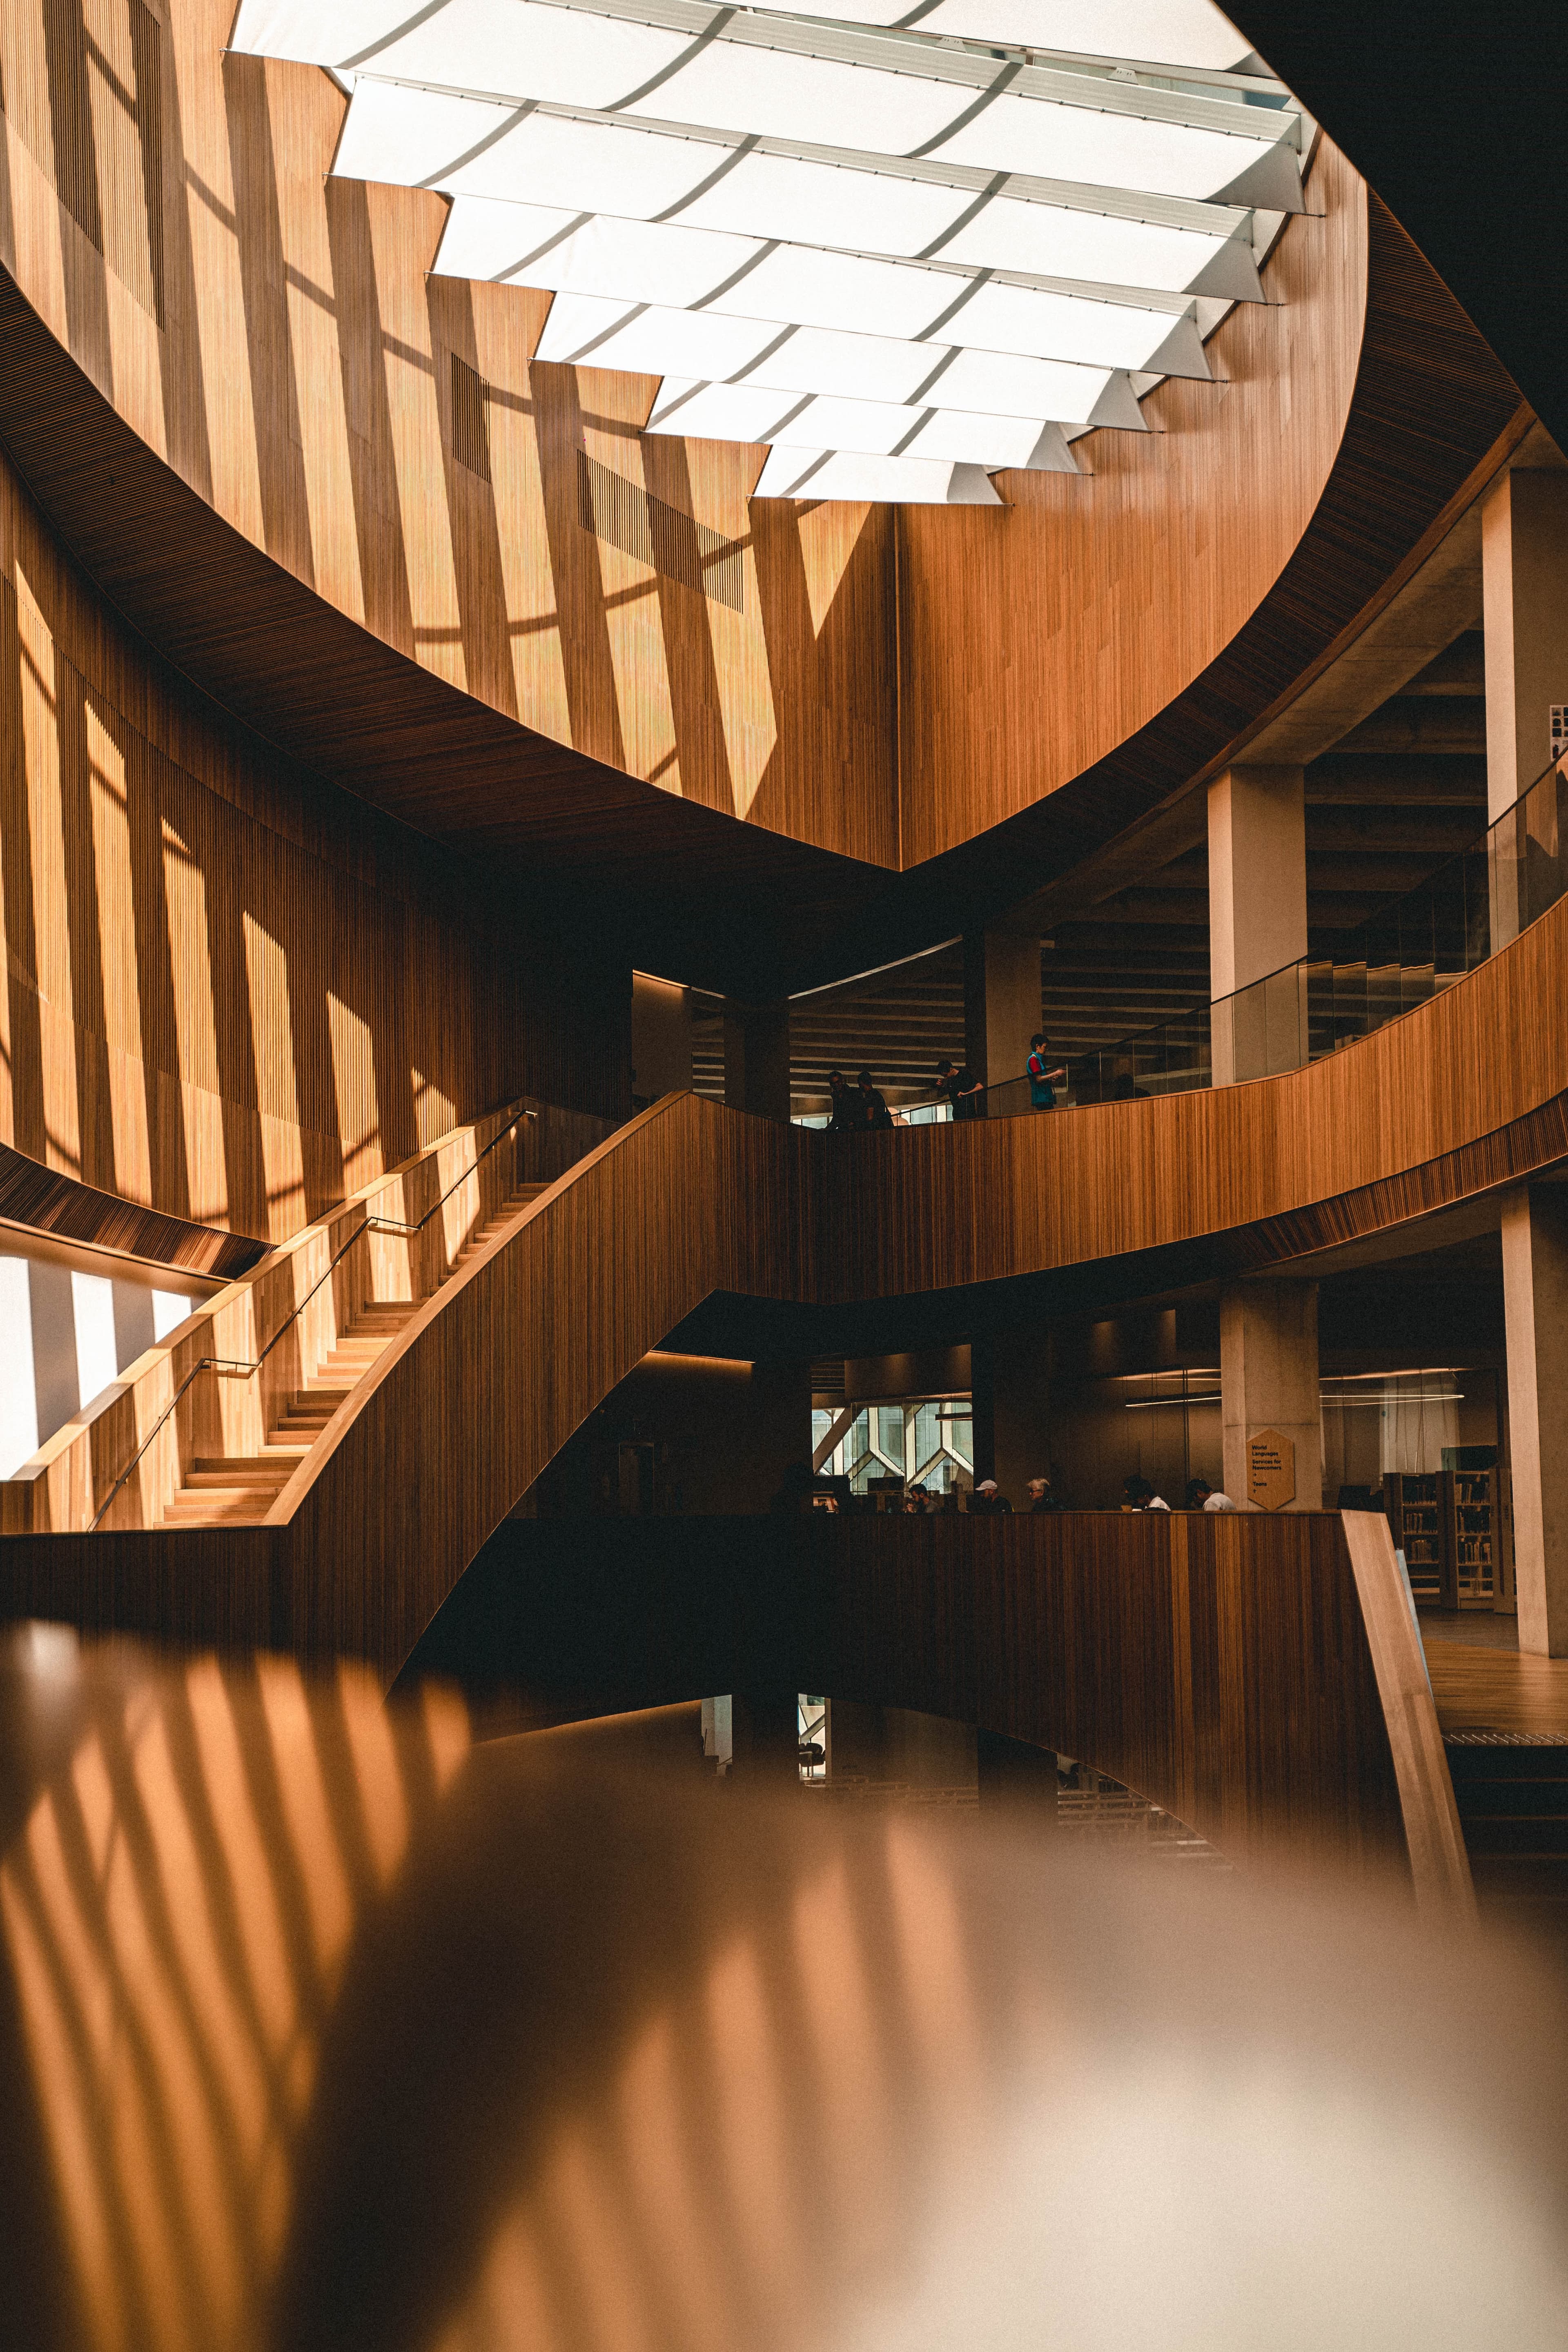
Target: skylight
[{"x": 897, "y": 248}]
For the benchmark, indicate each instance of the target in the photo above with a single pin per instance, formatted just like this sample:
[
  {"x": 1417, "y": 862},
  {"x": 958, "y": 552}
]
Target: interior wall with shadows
[
  {"x": 232, "y": 995},
  {"x": 297, "y": 368}
]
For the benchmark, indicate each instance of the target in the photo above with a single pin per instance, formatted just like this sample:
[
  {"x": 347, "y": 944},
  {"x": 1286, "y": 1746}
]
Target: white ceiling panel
[
  {"x": 749, "y": 71},
  {"x": 721, "y": 412},
  {"x": 1154, "y": 32},
  {"x": 895, "y": 481},
  {"x": 586, "y": 331},
  {"x": 430, "y": 139},
  {"x": 685, "y": 268}
]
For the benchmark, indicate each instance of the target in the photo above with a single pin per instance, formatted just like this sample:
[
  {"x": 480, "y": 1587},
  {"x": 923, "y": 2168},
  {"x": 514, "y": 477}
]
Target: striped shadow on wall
[
  {"x": 82, "y": 80},
  {"x": 654, "y": 532}
]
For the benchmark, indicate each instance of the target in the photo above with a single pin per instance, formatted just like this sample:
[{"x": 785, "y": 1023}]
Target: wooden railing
[
  {"x": 1226, "y": 1666},
  {"x": 214, "y": 1385}
]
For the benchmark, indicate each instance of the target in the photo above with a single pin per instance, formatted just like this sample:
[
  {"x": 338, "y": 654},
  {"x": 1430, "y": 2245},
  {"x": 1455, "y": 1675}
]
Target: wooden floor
[{"x": 1484, "y": 1688}]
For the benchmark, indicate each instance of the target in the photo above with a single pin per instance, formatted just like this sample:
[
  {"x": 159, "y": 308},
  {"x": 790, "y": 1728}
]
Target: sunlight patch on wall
[
  {"x": 358, "y": 1112},
  {"x": 195, "y": 1027},
  {"x": 828, "y": 536},
  {"x": 109, "y": 790},
  {"x": 278, "y": 1090}
]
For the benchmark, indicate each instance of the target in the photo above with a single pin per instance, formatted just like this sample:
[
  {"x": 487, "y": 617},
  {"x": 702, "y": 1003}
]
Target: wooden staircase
[
  {"x": 240, "y": 1489},
  {"x": 1512, "y": 1793}
]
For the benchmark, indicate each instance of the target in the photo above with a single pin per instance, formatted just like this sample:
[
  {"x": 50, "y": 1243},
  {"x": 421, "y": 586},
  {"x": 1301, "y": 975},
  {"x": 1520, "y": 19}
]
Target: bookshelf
[
  {"x": 1471, "y": 1500},
  {"x": 1421, "y": 1517}
]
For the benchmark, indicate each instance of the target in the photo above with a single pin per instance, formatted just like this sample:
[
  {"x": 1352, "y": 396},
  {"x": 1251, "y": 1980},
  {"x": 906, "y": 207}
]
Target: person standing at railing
[
  {"x": 1042, "y": 1081},
  {"x": 845, "y": 1115},
  {"x": 964, "y": 1090},
  {"x": 874, "y": 1111}
]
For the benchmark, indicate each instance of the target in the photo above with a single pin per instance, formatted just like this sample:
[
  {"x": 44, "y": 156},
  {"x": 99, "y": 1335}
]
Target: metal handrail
[{"x": 239, "y": 1369}]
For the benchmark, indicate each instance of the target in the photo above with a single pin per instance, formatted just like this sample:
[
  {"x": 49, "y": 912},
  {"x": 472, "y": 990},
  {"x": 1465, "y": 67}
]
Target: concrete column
[
  {"x": 1535, "y": 1311},
  {"x": 756, "y": 1057},
  {"x": 1268, "y": 1379},
  {"x": 1258, "y": 919},
  {"x": 1000, "y": 1003},
  {"x": 1524, "y": 595},
  {"x": 662, "y": 1037}
]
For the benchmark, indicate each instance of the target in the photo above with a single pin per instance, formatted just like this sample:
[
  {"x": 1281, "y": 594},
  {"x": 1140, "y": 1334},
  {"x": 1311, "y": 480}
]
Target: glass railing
[
  {"x": 1402, "y": 957},
  {"x": 1527, "y": 855}
]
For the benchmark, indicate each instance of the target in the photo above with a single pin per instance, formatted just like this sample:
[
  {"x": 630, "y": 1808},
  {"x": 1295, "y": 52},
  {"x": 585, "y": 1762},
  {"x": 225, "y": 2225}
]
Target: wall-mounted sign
[
  {"x": 1271, "y": 1470},
  {"x": 1559, "y": 730}
]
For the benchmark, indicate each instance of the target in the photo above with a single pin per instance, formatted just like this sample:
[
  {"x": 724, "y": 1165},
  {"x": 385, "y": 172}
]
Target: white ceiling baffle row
[
  {"x": 747, "y": 187},
  {"x": 807, "y": 286},
  {"x": 726, "y": 68},
  {"x": 727, "y": 412},
  {"x": 1180, "y": 33},
  {"x": 903, "y": 248},
  {"x": 642, "y": 338}
]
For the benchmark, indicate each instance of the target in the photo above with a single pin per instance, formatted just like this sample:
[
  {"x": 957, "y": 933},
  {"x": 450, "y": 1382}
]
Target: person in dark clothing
[
  {"x": 1042, "y": 1496},
  {"x": 964, "y": 1090},
  {"x": 794, "y": 1491},
  {"x": 844, "y": 1112},
  {"x": 1042, "y": 1085},
  {"x": 874, "y": 1111},
  {"x": 988, "y": 1501}
]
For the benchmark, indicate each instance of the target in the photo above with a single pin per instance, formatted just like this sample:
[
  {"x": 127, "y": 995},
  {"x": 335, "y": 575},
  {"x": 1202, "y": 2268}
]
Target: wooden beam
[{"x": 1439, "y": 1866}]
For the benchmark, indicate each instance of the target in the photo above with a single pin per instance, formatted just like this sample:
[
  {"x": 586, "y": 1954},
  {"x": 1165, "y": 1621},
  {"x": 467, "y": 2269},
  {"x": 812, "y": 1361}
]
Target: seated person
[
  {"x": 1202, "y": 1496},
  {"x": 1137, "y": 1495},
  {"x": 987, "y": 1499},
  {"x": 1042, "y": 1496}
]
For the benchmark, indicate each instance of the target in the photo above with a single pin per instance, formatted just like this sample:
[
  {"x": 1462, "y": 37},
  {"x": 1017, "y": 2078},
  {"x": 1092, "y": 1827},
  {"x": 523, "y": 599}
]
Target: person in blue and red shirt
[{"x": 1042, "y": 1086}]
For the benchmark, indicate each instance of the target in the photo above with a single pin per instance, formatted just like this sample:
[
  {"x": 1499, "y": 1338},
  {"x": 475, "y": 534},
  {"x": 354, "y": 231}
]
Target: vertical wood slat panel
[{"x": 233, "y": 998}]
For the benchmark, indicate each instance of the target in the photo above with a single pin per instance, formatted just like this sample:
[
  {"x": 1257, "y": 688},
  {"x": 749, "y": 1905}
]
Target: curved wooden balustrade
[
  {"x": 46, "y": 1201},
  {"x": 208, "y": 1424},
  {"x": 491, "y": 1376},
  {"x": 1218, "y": 1663}
]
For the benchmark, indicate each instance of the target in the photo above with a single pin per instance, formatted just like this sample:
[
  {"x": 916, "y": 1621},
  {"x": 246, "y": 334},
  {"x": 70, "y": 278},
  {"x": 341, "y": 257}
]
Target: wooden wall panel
[
  {"x": 1220, "y": 1666},
  {"x": 1114, "y": 635},
  {"x": 231, "y": 997}
]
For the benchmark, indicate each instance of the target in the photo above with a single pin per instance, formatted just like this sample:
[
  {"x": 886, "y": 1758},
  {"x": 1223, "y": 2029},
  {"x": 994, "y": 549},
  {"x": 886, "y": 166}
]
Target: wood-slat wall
[
  {"x": 232, "y": 996},
  {"x": 1113, "y": 639}
]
